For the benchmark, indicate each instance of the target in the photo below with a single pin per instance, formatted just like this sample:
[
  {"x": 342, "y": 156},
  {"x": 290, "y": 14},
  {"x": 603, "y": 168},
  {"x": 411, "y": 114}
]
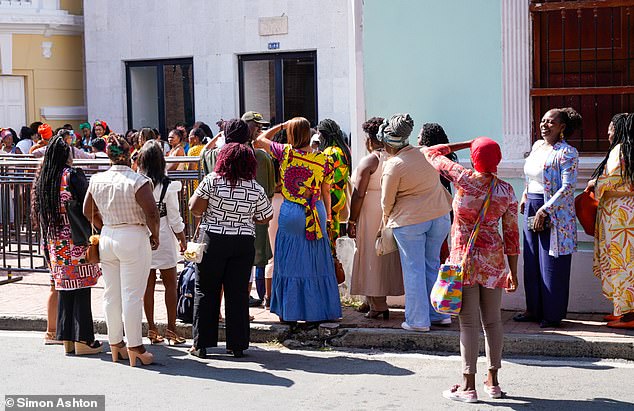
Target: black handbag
[
  {"x": 161, "y": 203},
  {"x": 80, "y": 228}
]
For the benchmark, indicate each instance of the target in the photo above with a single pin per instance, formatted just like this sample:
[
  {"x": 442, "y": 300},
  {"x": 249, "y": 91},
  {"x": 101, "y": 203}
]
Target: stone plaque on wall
[{"x": 270, "y": 26}]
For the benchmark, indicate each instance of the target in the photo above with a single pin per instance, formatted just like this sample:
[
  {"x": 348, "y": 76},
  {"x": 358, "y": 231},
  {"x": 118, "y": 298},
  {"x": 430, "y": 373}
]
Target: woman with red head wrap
[{"x": 487, "y": 275}]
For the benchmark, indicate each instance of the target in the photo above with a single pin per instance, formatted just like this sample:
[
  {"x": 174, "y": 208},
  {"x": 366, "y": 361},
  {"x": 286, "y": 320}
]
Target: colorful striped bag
[{"x": 446, "y": 296}]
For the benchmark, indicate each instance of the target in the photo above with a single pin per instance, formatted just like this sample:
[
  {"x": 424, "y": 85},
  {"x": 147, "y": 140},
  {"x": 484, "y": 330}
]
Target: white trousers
[{"x": 125, "y": 255}]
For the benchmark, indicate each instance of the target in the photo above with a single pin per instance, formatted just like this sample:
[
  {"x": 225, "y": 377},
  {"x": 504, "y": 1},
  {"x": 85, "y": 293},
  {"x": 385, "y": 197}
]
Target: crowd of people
[{"x": 274, "y": 200}]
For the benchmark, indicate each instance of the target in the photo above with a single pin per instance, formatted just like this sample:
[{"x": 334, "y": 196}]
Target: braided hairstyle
[
  {"x": 371, "y": 128},
  {"x": 570, "y": 118},
  {"x": 619, "y": 123},
  {"x": 627, "y": 150},
  {"x": 47, "y": 185},
  {"x": 432, "y": 134}
]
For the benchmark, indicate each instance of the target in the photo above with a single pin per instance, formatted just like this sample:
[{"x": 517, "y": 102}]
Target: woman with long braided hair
[
  {"x": 58, "y": 188},
  {"x": 613, "y": 183}
]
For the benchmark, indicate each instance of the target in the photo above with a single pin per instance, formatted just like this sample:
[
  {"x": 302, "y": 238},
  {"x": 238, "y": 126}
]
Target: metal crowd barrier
[{"x": 21, "y": 247}]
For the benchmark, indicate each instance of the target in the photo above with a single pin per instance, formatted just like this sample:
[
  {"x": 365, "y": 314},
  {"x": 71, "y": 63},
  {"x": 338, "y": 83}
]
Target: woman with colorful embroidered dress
[
  {"x": 548, "y": 205},
  {"x": 337, "y": 149},
  {"x": 614, "y": 189},
  {"x": 487, "y": 274},
  {"x": 304, "y": 282},
  {"x": 57, "y": 185}
]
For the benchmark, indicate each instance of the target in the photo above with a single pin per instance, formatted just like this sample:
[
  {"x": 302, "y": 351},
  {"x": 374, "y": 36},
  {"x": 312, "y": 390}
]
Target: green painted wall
[{"x": 439, "y": 60}]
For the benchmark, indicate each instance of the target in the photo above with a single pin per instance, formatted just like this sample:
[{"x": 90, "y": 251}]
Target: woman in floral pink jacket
[{"x": 487, "y": 273}]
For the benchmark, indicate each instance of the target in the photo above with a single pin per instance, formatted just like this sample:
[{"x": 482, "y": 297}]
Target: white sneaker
[
  {"x": 408, "y": 327},
  {"x": 444, "y": 321}
]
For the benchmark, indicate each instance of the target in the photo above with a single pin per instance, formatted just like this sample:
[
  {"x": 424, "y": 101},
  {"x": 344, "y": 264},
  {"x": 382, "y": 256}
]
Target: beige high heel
[
  {"x": 173, "y": 338},
  {"x": 119, "y": 353},
  {"x": 69, "y": 347},
  {"x": 50, "y": 339},
  {"x": 154, "y": 337},
  {"x": 146, "y": 358},
  {"x": 85, "y": 349}
]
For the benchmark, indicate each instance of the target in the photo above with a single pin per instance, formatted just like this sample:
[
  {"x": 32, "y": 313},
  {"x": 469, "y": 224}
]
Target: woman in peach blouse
[{"x": 486, "y": 274}]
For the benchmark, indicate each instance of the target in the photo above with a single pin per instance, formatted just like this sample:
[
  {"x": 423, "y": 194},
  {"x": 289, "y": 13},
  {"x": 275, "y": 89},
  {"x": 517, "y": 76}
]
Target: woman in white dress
[{"x": 151, "y": 162}]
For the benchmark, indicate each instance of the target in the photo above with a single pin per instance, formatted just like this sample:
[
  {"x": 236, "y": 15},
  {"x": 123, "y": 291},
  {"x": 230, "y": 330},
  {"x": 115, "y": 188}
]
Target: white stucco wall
[{"x": 213, "y": 33}]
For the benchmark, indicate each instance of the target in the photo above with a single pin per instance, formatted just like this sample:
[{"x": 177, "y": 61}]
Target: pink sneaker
[
  {"x": 456, "y": 394},
  {"x": 494, "y": 392}
]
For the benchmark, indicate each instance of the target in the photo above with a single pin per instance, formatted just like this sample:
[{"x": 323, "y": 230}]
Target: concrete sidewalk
[{"x": 23, "y": 307}]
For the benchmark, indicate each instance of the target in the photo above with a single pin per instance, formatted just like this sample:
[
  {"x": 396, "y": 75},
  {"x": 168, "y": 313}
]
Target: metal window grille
[{"x": 583, "y": 54}]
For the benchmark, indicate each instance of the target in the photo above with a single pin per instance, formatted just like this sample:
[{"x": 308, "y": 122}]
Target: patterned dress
[
  {"x": 487, "y": 265},
  {"x": 338, "y": 190},
  {"x": 614, "y": 238},
  {"x": 69, "y": 268},
  {"x": 304, "y": 283}
]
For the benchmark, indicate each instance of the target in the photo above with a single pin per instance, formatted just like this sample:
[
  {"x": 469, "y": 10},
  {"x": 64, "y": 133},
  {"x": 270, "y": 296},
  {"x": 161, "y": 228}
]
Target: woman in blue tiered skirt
[{"x": 304, "y": 283}]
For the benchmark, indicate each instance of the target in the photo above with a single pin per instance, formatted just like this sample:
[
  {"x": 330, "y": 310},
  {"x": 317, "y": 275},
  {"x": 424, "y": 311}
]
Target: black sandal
[{"x": 525, "y": 318}]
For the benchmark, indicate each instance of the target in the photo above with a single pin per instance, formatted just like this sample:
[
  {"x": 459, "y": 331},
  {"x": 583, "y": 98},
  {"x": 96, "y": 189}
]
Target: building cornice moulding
[
  {"x": 46, "y": 25},
  {"x": 64, "y": 112}
]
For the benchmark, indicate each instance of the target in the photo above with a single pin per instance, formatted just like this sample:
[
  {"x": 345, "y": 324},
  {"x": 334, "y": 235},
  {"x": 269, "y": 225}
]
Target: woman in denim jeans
[{"x": 416, "y": 206}]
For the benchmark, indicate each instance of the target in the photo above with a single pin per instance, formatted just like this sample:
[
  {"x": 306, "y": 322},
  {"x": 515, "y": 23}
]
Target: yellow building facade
[{"x": 42, "y": 63}]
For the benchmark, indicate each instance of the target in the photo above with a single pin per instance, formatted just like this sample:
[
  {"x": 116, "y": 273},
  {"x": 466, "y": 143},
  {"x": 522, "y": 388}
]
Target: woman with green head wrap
[
  {"x": 416, "y": 206},
  {"x": 336, "y": 148}
]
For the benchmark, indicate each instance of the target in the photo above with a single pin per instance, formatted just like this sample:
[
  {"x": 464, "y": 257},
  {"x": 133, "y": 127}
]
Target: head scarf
[
  {"x": 84, "y": 125},
  {"x": 395, "y": 131},
  {"x": 118, "y": 149},
  {"x": 485, "y": 155},
  {"x": 333, "y": 136},
  {"x": 330, "y": 130},
  {"x": 45, "y": 131},
  {"x": 236, "y": 131},
  {"x": 100, "y": 123}
]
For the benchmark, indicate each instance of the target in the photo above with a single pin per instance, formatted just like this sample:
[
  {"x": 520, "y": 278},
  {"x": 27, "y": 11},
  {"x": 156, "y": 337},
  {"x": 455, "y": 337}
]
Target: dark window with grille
[
  {"x": 160, "y": 93},
  {"x": 583, "y": 57},
  {"x": 280, "y": 86}
]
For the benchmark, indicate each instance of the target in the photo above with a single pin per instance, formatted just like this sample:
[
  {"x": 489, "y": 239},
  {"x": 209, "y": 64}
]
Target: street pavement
[
  {"x": 272, "y": 377},
  {"x": 23, "y": 307}
]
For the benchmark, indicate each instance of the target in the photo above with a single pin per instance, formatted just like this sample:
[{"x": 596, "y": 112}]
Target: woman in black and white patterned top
[{"x": 230, "y": 202}]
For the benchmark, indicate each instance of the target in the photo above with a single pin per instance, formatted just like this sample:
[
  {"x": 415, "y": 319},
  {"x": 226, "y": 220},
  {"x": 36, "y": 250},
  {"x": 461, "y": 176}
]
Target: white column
[
  {"x": 355, "y": 70},
  {"x": 6, "y": 53},
  {"x": 516, "y": 77}
]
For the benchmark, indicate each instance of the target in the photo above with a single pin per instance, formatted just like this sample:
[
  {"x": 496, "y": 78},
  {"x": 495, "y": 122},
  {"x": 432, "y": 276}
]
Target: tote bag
[
  {"x": 446, "y": 295},
  {"x": 385, "y": 242}
]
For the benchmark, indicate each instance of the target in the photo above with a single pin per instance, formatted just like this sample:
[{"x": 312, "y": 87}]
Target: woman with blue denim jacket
[{"x": 550, "y": 229}]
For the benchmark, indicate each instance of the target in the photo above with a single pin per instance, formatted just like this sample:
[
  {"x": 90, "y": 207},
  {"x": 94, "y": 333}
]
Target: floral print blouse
[
  {"x": 560, "y": 177},
  {"x": 302, "y": 174},
  {"x": 486, "y": 264}
]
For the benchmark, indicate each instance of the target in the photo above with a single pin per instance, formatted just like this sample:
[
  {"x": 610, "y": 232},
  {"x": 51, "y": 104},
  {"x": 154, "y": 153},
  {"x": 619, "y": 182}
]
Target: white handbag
[
  {"x": 195, "y": 251},
  {"x": 385, "y": 241}
]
